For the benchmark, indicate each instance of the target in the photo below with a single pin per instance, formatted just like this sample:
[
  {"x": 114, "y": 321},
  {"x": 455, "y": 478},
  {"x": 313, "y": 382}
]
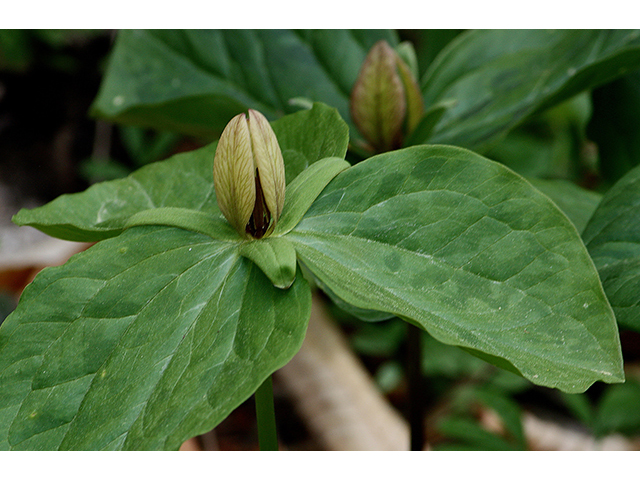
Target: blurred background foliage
[{"x": 573, "y": 152}]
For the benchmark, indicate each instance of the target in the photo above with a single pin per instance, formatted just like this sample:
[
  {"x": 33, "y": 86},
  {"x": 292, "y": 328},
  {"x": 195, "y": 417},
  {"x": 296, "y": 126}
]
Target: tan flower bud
[
  {"x": 386, "y": 102},
  {"x": 248, "y": 175}
]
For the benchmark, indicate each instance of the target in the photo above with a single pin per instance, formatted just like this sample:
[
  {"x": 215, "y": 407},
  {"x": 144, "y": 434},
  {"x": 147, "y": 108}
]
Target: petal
[
  {"x": 269, "y": 162},
  {"x": 234, "y": 173}
]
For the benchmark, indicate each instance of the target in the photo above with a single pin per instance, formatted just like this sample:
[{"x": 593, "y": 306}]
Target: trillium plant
[{"x": 199, "y": 285}]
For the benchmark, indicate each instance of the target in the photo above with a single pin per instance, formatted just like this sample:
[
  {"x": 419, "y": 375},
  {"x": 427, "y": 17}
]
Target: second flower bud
[{"x": 386, "y": 103}]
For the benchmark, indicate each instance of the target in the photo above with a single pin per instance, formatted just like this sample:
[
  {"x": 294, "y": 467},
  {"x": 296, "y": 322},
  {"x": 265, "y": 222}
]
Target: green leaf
[
  {"x": 472, "y": 253},
  {"x": 308, "y": 136},
  {"x": 141, "y": 342},
  {"x": 195, "y": 81},
  {"x": 305, "y": 189},
  {"x": 407, "y": 53},
  {"x": 102, "y": 211},
  {"x": 276, "y": 258},
  {"x": 615, "y": 124},
  {"x": 425, "y": 127},
  {"x": 182, "y": 181},
  {"x": 365, "y": 314},
  {"x": 577, "y": 203},
  {"x": 428, "y": 43},
  {"x": 613, "y": 239},
  {"x": 500, "y": 77}
]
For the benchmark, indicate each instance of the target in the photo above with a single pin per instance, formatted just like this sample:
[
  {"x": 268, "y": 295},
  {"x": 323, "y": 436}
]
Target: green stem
[{"x": 265, "y": 413}]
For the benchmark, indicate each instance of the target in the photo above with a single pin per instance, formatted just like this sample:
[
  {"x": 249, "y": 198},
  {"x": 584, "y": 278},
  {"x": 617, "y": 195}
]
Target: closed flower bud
[
  {"x": 386, "y": 102},
  {"x": 248, "y": 175}
]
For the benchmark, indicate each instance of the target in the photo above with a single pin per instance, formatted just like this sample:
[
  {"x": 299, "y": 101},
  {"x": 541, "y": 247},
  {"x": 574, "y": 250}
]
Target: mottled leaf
[
  {"x": 472, "y": 253},
  {"x": 142, "y": 342},
  {"x": 577, "y": 203},
  {"x": 613, "y": 239},
  {"x": 194, "y": 81},
  {"x": 500, "y": 77},
  {"x": 183, "y": 181}
]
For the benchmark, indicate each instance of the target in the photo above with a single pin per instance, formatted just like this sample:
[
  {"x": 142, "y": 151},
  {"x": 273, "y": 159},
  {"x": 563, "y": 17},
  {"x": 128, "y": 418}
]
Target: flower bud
[
  {"x": 248, "y": 175},
  {"x": 386, "y": 102}
]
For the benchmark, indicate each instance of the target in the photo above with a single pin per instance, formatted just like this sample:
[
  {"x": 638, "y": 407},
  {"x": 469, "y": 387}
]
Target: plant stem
[
  {"x": 265, "y": 413},
  {"x": 415, "y": 383}
]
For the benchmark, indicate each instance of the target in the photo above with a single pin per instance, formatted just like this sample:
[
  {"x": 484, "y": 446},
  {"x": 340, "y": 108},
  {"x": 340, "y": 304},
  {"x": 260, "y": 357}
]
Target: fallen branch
[{"x": 335, "y": 395}]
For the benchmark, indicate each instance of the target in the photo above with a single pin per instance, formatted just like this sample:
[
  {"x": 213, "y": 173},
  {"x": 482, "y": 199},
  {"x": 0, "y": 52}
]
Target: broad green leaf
[
  {"x": 472, "y": 253},
  {"x": 365, "y": 313},
  {"x": 577, "y": 203},
  {"x": 615, "y": 125},
  {"x": 194, "y": 81},
  {"x": 305, "y": 188},
  {"x": 500, "y": 77},
  {"x": 613, "y": 239},
  {"x": 183, "y": 181},
  {"x": 141, "y": 342},
  {"x": 308, "y": 136}
]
